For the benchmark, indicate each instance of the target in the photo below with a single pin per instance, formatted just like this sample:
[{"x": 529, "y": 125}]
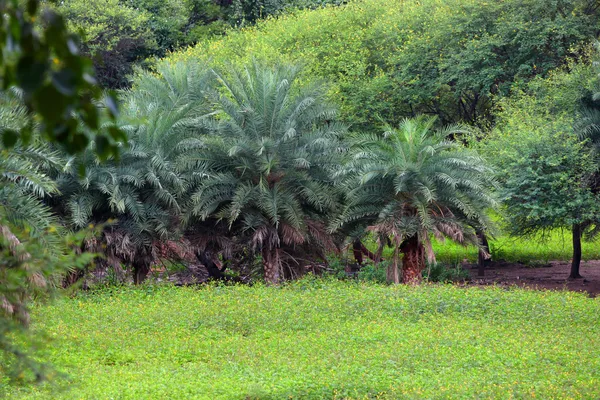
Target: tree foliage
[
  {"x": 41, "y": 58},
  {"x": 545, "y": 163},
  {"x": 142, "y": 190},
  {"x": 392, "y": 60},
  {"x": 122, "y": 34}
]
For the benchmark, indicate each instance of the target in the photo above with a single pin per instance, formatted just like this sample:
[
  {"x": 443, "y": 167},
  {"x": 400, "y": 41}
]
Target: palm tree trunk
[
  {"x": 377, "y": 256},
  {"x": 413, "y": 262},
  {"x": 576, "y": 252},
  {"x": 272, "y": 265},
  {"x": 356, "y": 249},
  {"x": 393, "y": 273},
  {"x": 141, "y": 268},
  {"x": 484, "y": 253}
]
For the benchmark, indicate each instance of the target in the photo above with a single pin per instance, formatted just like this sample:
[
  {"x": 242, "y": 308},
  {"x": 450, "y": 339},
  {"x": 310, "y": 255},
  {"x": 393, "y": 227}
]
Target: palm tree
[
  {"x": 267, "y": 169},
  {"x": 32, "y": 252},
  {"x": 413, "y": 183},
  {"x": 25, "y": 170},
  {"x": 143, "y": 189}
]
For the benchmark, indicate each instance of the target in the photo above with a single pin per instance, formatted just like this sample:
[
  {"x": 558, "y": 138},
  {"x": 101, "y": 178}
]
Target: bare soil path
[{"x": 553, "y": 275}]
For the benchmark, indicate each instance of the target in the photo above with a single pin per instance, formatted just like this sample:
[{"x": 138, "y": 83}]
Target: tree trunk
[
  {"x": 413, "y": 262},
  {"x": 377, "y": 256},
  {"x": 392, "y": 273},
  {"x": 484, "y": 253},
  {"x": 140, "y": 271},
  {"x": 360, "y": 250},
  {"x": 576, "y": 252},
  {"x": 272, "y": 265},
  {"x": 357, "y": 250}
]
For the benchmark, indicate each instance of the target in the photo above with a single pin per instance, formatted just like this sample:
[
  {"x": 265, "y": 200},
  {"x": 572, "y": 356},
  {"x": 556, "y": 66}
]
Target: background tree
[
  {"x": 266, "y": 170},
  {"x": 390, "y": 60},
  {"x": 413, "y": 183},
  {"x": 115, "y": 36},
  {"x": 544, "y": 158}
]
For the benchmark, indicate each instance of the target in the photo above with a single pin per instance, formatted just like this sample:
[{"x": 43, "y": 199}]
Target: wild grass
[{"x": 319, "y": 339}]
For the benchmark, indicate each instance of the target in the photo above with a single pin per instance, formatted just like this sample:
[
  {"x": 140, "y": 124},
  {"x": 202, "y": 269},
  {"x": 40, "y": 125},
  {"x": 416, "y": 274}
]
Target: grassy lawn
[{"x": 321, "y": 339}]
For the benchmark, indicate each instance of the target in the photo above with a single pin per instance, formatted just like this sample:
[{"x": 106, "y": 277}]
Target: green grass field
[{"x": 320, "y": 339}]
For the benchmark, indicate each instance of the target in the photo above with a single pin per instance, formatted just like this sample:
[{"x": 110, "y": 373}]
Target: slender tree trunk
[
  {"x": 393, "y": 273},
  {"x": 369, "y": 253},
  {"x": 413, "y": 262},
  {"x": 377, "y": 256},
  {"x": 141, "y": 269},
  {"x": 360, "y": 250},
  {"x": 272, "y": 265},
  {"x": 357, "y": 250},
  {"x": 484, "y": 253},
  {"x": 576, "y": 252}
]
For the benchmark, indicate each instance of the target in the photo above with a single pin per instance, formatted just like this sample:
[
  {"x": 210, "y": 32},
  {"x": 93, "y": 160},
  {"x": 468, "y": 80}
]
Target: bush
[
  {"x": 371, "y": 272},
  {"x": 444, "y": 273}
]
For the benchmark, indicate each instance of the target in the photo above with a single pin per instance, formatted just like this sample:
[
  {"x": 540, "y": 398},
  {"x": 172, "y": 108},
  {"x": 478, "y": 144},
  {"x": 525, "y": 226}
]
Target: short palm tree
[
  {"x": 142, "y": 190},
  {"x": 267, "y": 169},
  {"x": 413, "y": 183}
]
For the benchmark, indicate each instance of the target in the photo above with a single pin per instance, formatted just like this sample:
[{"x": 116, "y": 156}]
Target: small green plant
[
  {"x": 441, "y": 272},
  {"x": 337, "y": 266},
  {"x": 371, "y": 272}
]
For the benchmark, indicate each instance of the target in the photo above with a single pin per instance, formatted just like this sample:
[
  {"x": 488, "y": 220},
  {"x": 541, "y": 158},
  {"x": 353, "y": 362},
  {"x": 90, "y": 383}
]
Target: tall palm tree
[
  {"x": 413, "y": 183},
  {"x": 143, "y": 189},
  {"x": 267, "y": 169}
]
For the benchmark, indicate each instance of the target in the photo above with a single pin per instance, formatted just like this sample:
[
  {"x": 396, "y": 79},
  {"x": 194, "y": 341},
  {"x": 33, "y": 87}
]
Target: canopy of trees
[{"x": 389, "y": 60}]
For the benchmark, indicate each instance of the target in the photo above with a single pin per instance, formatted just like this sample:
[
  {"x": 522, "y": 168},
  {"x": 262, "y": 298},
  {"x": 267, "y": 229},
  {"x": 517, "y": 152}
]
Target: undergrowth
[{"x": 319, "y": 338}]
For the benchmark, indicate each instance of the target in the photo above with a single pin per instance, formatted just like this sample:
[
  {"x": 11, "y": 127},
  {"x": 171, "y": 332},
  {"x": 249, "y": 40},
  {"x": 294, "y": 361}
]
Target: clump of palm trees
[{"x": 254, "y": 158}]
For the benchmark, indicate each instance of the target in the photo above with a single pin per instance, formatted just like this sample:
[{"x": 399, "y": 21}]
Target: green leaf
[
  {"x": 65, "y": 82},
  {"x": 51, "y": 104},
  {"x": 30, "y": 73}
]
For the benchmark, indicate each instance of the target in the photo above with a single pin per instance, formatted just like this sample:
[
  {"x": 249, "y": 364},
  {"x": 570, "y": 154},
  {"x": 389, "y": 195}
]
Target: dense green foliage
[
  {"x": 316, "y": 339},
  {"x": 544, "y": 160},
  {"x": 120, "y": 34},
  {"x": 390, "y": 60},
  {"x": 40, "y": 59},
  {"x": 142, "y": 190},
  {"x": 267, "y": 168}
]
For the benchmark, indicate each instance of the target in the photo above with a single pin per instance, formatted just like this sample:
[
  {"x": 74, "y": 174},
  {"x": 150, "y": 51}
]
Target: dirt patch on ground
[{"x": 553, "y": 275}]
